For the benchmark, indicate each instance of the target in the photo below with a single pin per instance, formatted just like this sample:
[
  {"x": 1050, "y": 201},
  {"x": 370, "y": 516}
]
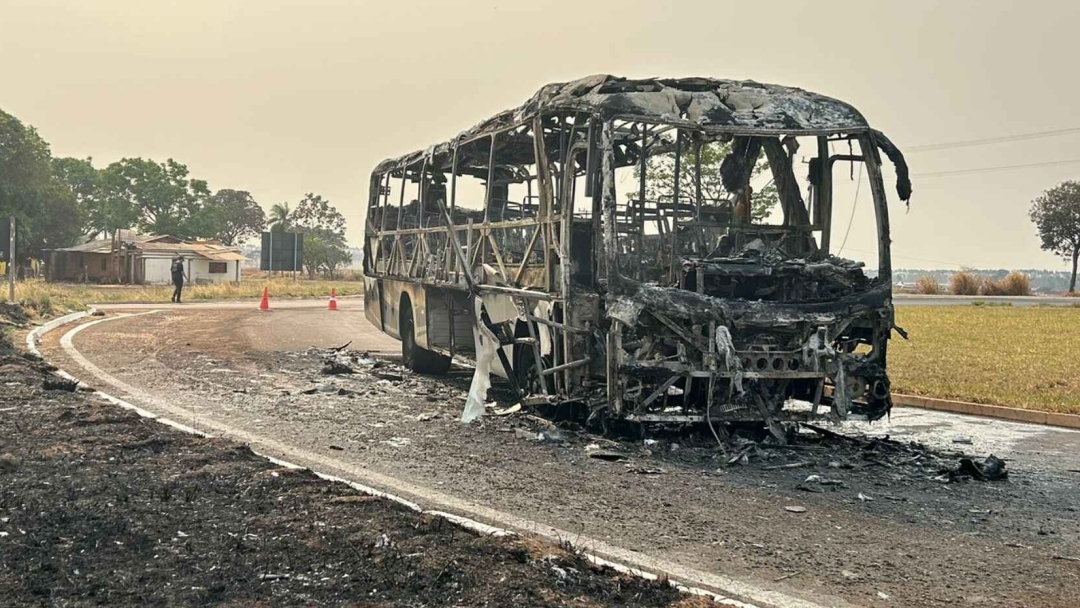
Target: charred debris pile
[{"x": 805, "y": 448}]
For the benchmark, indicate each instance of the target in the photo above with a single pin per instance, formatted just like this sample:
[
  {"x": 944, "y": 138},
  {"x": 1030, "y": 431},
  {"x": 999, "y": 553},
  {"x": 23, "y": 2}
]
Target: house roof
[
  {"x": 163, "y": 245},
  {"x": 94, "y": 246},
  {"x": 224, "y": 256},
  {"x": 210, "y": 251}
]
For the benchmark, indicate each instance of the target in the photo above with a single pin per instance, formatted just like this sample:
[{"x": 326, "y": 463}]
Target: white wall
[
  {"x": 158, "y": 271},
  {"x": 199, "y": 272}
]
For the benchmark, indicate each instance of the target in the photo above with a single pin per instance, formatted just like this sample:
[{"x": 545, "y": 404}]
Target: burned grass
[
  {"x": 98, "y": 506},
  {"x": 1012, "y": 356}
]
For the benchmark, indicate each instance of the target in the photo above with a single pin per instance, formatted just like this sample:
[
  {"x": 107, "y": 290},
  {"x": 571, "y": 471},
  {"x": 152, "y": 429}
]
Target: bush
[
  {"x": 990, "y": 287},
  {"x": 927, "y": 285},
  {"x": 1016, "y": 284},
  {"x": 964, "y": 284}
]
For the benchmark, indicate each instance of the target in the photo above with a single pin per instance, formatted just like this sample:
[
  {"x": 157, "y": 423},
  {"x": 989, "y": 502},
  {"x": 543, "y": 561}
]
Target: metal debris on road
[
  {"x": 790, "y": 465},
  {"x": 513, "y": 409},
  {"x": 397, "y": 442},
  {"x": 991, "y": 469},
  {"x": 787, "y": 576},
  {"x": 607, "y": 456},
  {"x": 332, "y": 367}
]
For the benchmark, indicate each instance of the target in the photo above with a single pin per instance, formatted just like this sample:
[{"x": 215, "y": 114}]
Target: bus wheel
[
  {"x": 525, "y": 366},
  {"x": 416, "y": 358}
]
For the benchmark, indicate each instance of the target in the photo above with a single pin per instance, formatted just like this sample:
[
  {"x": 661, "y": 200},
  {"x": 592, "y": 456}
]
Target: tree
[
  {"x": 280, "y": 217},
  {"x": 46, "y": 213},
  {"x": 158, "y": 196},
  {"x": 84, "y": 182},
  {"x": 316, "y": 213},
  {"x": 324, "y": 241},
  {"x": 238, "y": 215},
  {"x": 660, "y": 181},
  {"x": 1056, "y": 213},
  {"x": 325, "y": 251},
  {"x": 61, "y": 222},
  {"x": 25, "y": 172}
]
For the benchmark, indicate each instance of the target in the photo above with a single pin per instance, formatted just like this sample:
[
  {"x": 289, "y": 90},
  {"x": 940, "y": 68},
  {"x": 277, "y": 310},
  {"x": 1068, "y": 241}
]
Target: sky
[{"x": 284, "y": 97}]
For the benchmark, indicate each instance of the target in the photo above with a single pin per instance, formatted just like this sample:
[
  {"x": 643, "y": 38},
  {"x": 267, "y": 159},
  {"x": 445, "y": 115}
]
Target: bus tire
[
  {"x": 416, "y": 358},
  {"x": 525, "y": 370}
]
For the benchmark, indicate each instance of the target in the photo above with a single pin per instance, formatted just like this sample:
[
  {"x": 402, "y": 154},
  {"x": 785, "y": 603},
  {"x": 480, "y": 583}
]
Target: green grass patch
[{"x": 1013, "y": 356}]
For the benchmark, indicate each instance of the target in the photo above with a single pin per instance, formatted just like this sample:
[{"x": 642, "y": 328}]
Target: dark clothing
[
  {"x": 177, "y": 279},
  {"x": 177, "y": 269}
]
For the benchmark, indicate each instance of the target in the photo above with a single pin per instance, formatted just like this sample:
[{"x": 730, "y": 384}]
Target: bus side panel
[
  {"x": 392, "y": 292},
  {"x": 418, "y": 296},
  {"x": 500, "y": 308},
  {"x": 373, "y": 302}
]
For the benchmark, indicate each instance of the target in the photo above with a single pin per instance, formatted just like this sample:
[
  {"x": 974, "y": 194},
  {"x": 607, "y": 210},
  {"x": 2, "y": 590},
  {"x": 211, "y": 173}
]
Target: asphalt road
[
  {"x": 910, "y": 299},
  {"x": 295, "y": 327},
  {"x": 221, "y": 371}
]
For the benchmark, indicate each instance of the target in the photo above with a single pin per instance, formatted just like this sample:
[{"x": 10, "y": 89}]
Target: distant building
[{"x": 143, "y": 260}]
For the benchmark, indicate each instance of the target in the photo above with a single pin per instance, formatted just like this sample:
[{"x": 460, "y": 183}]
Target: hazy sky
[{"x": 286, "y": 97}]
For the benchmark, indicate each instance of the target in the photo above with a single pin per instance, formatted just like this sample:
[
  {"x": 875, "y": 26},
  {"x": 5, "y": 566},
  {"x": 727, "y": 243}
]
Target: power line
[
  {"x": 1052, "y": 163},
  {"x": 993, "y": 140},
  {"x": 909, "y": 257},
  {"x": 854, "y": 204}
]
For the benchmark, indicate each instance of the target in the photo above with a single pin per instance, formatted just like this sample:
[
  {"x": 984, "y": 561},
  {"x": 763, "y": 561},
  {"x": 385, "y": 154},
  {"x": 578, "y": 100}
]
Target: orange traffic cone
[
  {"x": 333, "y": 299},
  {"x": 265, "y": 303}
]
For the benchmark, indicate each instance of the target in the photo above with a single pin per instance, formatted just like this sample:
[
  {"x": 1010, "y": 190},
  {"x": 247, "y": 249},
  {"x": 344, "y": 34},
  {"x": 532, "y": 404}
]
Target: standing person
[{"x": 178, "y": 276}]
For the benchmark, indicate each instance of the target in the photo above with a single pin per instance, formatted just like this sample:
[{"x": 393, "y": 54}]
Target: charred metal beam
[
  {"x": 674, "y": 268},
  {"x": 787, "y": 186}
]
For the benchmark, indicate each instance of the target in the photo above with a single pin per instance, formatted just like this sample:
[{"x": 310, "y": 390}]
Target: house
[
  {"x": 91, "y": 261},
  {"x": 139, "y": 259}
]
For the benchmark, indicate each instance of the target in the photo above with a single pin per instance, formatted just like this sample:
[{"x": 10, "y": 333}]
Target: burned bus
[{"x": 650, "y": 250}]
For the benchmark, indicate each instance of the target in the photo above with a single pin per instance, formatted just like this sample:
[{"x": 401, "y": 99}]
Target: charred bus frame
[{"x": 670, "y": 308}]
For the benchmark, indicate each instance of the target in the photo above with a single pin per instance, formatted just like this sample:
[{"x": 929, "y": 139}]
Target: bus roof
[{"x": 737, "y": 106}]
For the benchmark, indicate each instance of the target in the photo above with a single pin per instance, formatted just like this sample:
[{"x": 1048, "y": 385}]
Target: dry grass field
[
  {"x": 53, "y": 298},
  {"x": 1014, "y": 356}
]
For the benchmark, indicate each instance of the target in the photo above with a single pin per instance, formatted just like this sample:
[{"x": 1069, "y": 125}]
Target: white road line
[
  {"x": 69, "y": 347},
  {"x": 688, "y": 579}
]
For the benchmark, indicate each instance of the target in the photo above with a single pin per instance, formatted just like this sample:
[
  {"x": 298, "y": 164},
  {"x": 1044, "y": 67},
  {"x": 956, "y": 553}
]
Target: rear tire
[
  {"x": 416, "y": 358},
  {"x": 525, "y": 368}
]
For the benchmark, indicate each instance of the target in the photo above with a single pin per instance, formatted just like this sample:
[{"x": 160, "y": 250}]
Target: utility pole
[{"x": 11, "y": 261}]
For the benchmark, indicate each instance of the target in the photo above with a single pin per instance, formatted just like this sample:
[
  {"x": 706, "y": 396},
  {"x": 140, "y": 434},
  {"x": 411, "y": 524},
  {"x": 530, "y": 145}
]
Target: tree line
[{"x": 59, "y": 202}]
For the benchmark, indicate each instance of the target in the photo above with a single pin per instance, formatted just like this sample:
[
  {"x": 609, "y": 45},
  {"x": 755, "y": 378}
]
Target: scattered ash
[
  {"x": 829, "y": 460},
  {"x": 824, "y": 453},
  {"x": 98, "y": 505}
]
